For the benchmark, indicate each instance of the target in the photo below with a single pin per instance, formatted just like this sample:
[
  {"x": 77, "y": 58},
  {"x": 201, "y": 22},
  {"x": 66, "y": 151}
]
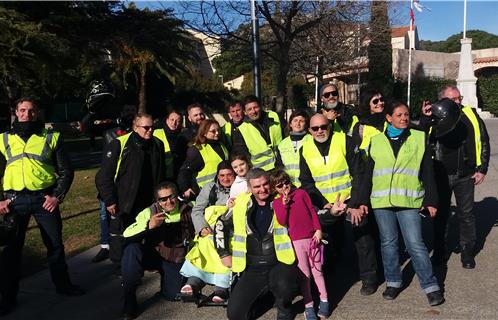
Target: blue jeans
[
  {"x": 104, "y": 224},
  {"x": 411, "y": 228}
]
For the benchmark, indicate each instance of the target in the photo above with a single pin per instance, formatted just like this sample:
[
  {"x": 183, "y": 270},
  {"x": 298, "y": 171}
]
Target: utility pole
[{"x": 256, "y": 65}]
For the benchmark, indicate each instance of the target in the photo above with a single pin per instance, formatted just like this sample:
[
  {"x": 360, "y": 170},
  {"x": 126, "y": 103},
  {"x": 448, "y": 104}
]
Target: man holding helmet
[{"x": 461, "y": 150}]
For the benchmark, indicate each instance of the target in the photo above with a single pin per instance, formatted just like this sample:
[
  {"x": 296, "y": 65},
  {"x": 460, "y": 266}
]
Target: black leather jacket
[{"x": 461, "y": 140}]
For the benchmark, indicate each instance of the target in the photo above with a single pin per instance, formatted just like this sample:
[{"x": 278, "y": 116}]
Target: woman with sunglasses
[
  {"x": 399, "y": 184},
  {"x": 293, "y": 209},
  {"x": 288, "y": 149},
  {"x": 372, "y": 118},
  {"x": 203, "y": 156}
]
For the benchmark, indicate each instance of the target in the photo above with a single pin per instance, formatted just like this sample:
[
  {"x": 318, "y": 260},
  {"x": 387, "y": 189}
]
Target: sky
[{"x": 444, "y": 19}]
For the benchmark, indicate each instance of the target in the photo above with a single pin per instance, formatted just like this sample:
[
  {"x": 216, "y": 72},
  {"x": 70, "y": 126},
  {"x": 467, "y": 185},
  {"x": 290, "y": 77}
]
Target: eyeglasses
[
  {"x": 377, "y": 100},
  {"x": 324, "y": 127},
  {"x": 330, "y": 93},
  {"x": 171, "y": 197},
  {"x": 146, "y": 128},
  {"x": 457, "y": 99},
  {"x": 280, "y": 185}
]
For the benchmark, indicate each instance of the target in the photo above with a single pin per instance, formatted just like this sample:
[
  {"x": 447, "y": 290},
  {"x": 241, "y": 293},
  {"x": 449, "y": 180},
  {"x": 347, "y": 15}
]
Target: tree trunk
[
  {"x": 142, "y": 99},
  {"x": 282, "y": 73}
]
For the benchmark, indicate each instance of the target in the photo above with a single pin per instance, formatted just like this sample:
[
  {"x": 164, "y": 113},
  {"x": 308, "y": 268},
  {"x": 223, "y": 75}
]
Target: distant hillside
[{"x": 480, "y": 40}]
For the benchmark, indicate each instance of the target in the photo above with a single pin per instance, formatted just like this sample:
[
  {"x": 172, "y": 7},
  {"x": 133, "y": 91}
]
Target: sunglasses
[
  {"x": 146, "y": 128},
  {"x": 171, "y": 197},
  {"x": 324, "y": 127},
  {"x": 377, "y": 100},
  {"x": 280, "y": 185},
  {"x": 330, "y": 93}
]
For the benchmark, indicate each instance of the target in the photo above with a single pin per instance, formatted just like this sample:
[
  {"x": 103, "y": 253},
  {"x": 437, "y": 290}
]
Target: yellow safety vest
[
  {"x": 395, "y": 180},
  {"x": 338, "y": 128},
  {"x": 281, "y": 239},
  {"x": 368, "y": 133},
  {"x": 262, "y": 154},
  {"x": 29, "y": 164},
  {"x": 332, "y": 175},
  {"x": 211, "y": 160},
  {"x": 161, "y": 135},
  {"x": 290, "y": 157},
  {"x": 227, "y": 130},
  {"x": 203, "y": 254},
  {"x": 122, "y": 143},
  {"x": 477, "y": 133}
]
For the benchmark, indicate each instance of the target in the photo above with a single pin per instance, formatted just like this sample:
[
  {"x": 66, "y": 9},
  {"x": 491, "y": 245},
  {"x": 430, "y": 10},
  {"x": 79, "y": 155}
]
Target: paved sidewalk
[{"x": 470, "y": 294}]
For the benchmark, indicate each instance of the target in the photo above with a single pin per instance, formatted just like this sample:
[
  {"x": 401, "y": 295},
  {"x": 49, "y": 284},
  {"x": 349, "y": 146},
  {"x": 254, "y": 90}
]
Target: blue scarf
[{"x": 393, "y": 132}]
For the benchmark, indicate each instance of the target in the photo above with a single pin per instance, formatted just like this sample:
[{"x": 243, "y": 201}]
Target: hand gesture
[
  {"x": 188, "y": 194},
  {"x": 426, "y": 108},
  {"x": 339, "y": 207},
  {"x": 285, "y": 193},
  {"x": 112, "y": 209},
  {"x": 478, "y": 178},
  {"x": 4, "y": 206},
  {"x": 432, "y": 211},
  {"x": 318, "y": 236},
  {"x": 156, "y": 220},
  {"x": 50, "y": 203},
  {"x": 205, "y": 231}
]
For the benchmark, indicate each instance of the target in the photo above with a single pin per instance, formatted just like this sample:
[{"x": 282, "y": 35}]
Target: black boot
[
  {"x": 130, "y": 308},
  {"x": 467, "y": 257}
]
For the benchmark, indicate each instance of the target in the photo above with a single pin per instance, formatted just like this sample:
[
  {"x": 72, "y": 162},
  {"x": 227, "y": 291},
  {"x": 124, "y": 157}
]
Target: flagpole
[
  {"x": 465, "y": 19},
  {"x": 410, "y": 56}
]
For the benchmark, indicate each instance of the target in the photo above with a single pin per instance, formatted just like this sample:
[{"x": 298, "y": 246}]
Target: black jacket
[
  {"x": 426, "y": 175},
  {"x": 129, "y": 188},
  {"x": 192, "y": 165},
  {"x": 456, "y": 150},
  {"x": 65, "y": 173},
  {"x": 376, "y": 120},
  {"x": 308, "y": 182},
  {"x": 345, "y": 118}
]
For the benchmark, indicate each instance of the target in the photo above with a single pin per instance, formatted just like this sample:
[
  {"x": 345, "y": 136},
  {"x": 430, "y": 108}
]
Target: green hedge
[
  {"x": 488, "y": 93},
  {"x": 421, "y": 89}
]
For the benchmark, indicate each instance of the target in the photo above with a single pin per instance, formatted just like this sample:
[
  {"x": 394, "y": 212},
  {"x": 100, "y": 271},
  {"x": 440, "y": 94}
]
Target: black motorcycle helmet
[
  {"x": 445, "y": 114},
  {"x": 100, "y": 94}
]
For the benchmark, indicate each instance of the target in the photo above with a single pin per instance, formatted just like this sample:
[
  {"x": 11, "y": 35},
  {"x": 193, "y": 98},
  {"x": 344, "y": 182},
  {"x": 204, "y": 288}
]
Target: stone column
[{"x": 466, "y": 81}]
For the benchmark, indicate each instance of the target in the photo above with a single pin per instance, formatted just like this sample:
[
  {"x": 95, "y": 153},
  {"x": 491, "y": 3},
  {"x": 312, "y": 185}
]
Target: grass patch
[{"x": 80, "y": 223}]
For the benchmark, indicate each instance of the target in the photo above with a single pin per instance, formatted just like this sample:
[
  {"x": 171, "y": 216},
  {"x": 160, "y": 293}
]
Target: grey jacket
[{"x": 219, "y": 196}]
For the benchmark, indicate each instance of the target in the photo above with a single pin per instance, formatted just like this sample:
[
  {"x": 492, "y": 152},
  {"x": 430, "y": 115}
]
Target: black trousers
[
  {"x": 137, "y": 258},
  {"x": 117, "y": 225},
  {"x": 255, "y": 290},
  {"x": 364, "y": 243},
  {"x": 463, "y": 188},
  {"x": 22, "y": 207}
]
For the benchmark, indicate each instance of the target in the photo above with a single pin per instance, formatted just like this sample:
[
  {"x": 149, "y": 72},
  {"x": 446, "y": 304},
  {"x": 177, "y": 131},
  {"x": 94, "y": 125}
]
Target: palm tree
[{"x": 150, "y": 41}]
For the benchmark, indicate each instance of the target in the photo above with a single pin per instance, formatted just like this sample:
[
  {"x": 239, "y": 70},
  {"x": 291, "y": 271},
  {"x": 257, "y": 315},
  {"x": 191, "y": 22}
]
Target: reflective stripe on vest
[
  {"x": 338, "y": 128},
  {"x": 161, "y": 135},
  {"x": 332, "y": 177},
  {"x": 29, "y": 164},
  {"x": 211, "y": 160},
  {"x": 281, "y": 240},
  {"x": 477, "y": 133},
  {"x": 395, "y": 180},
  {"x": 290, "y": 157},
  {"x": 262, "y": 154}
]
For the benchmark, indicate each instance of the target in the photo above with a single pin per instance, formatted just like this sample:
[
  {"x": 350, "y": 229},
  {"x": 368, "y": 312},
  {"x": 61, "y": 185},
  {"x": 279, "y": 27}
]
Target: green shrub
[{"x": 488, "y": 93}]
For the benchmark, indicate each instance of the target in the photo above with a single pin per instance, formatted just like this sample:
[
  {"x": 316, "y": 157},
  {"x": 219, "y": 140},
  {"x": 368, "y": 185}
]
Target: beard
[{"x": 330, "y": 105}]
